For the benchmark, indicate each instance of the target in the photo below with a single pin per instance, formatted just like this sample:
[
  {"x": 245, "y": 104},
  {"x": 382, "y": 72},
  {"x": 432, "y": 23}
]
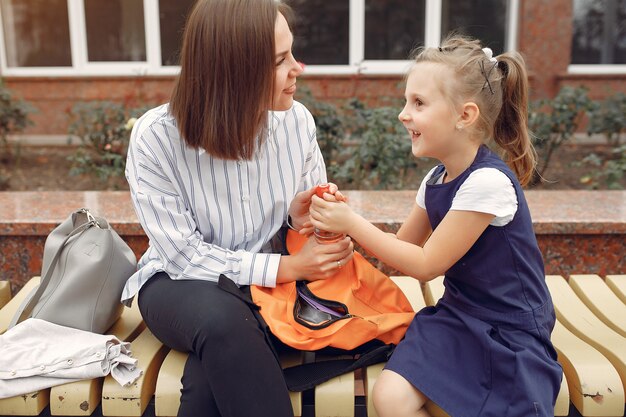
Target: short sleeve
[
  {"x": 420, "y": 198},
  {"x": 488, "y": 190}
]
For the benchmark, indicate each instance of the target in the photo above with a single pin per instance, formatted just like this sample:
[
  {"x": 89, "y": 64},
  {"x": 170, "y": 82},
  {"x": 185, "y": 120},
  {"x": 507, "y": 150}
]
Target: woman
[{"x": 214, "y": 176}]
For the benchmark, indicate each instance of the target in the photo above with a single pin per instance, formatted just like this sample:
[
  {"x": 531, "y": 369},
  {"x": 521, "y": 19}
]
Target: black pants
[{"x": 232, "y": 370}]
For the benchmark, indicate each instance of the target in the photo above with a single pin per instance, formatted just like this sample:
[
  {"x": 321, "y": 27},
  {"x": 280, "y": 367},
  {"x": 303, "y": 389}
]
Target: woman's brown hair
[
  {"x": 221, "y": 97},
  {"x": 500, "y": 89}
]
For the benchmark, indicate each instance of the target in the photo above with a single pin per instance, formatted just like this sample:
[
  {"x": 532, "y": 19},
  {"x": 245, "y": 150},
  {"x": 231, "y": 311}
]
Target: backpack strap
[{"x": 308, "y": 375}]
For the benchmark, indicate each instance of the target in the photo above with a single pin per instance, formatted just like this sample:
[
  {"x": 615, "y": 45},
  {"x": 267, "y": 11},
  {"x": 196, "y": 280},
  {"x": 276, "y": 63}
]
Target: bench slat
[
  {"x": 433, "y": 291},
  {"x": 561, "y": 407},
  {"x": 8, "y": 311},
  {"x": 133, "y": 400},
  {"x": 33, "y": 403},
  {"x": 370, "y": 376},
  {"x": 5, "y": 293},
  {"x": 412, "y": 290},
  {"x": 604, "y": 303},
  {"x": 595, "y": 385},
  {"x": 78, "y": 398},
  {"x": 286, "y": 361},
  {"x": 335, "y": 397},
  {"x": 81, "y": 398},
  {"x": 581, "y": 321},
  {"x": 25, "y": 405},
  {"x": 167, "y": 393},
  {"x": 617, "y": 283}
]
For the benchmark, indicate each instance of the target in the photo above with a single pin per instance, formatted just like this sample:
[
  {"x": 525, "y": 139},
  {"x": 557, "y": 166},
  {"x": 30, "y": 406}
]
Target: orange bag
[{"x": 357, "y": 305}]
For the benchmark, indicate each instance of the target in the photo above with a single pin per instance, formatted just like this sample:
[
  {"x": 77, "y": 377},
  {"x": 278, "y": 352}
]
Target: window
[
  {"x": 33, "y": 30},
  {"x": 172, "y": 16},
  {"x": 393, "y": 28},
  {"x": 136, "y": 37},
  {"x": 599, "y": 35},
  {"x": 481, "y": 19},
  {"x": 326, "y": 43},
  {"x": 115, "y": 30}
]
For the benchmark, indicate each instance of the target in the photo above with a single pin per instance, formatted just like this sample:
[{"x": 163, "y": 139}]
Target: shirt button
[
  {"x": 69, "y": 361},
  {"x": 98, "y": 354},
  {"x": 245, "y": 198},
  {"x": 41, "y": 367},
  {"x": 240, "y": 162},
  {"x": 13, "y": 373}
]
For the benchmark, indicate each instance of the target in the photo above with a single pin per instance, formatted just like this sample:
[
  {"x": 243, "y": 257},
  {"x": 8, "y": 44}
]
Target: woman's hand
[
  {"x": 331, "y": 214},
  {"x": 315, "y": 261},
  {"x": 299, "y": 210}
]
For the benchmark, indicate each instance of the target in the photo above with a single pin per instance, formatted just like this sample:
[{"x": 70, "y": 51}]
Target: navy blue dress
[{"x": 484, "y": 349}]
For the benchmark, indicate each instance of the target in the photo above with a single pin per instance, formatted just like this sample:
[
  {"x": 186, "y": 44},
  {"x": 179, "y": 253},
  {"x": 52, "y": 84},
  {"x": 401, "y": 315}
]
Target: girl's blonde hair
[{"x": 499, "y": 87}]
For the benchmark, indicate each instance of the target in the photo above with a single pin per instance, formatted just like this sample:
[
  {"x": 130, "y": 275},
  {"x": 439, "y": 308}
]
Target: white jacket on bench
[{"x": 37, "y": 354}]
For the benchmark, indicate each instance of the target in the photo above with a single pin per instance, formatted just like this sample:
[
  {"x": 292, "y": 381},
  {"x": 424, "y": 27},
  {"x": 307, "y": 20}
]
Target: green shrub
[
  {"x": 608, "y": 170},
  {"x": 554, "y": 122},
  {"x": 380, "y": 154},
  {"x": 363, "y": 148},
  {"x": 13, "y": 118},
  {"x": 329, "y": 127},
  {"x": 103, "y": 128},
  {"x": 608, "y": 118}
]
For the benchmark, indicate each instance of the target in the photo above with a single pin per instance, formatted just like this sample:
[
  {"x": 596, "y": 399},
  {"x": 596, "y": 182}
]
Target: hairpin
[{"x": 486, "y": 74}]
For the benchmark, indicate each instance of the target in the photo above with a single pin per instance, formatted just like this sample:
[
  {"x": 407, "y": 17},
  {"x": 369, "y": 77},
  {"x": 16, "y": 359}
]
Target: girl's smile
[{"x": 414, "y": 135}]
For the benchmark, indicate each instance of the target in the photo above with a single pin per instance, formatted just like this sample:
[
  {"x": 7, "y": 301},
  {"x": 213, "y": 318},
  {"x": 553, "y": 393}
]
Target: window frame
[
  {"x": 152, "y": 66},
  {"x": 596, "y": 69}
]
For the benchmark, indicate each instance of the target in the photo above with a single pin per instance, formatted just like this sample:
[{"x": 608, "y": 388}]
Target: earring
[{"x": 459, "y": 126}]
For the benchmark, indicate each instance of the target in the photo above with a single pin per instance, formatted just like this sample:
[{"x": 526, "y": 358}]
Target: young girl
[{"x": 484, "y": 349}]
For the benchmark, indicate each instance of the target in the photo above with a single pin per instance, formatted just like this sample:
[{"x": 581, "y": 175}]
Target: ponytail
[{"x": 510, "y": 130}]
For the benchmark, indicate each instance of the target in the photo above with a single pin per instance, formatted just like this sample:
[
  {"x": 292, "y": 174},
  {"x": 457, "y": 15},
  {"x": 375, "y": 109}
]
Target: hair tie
[{"x": 489, "y": 53}]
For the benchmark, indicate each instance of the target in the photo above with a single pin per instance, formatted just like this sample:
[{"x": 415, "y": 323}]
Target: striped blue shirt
[{"x": 206, "y": 216}]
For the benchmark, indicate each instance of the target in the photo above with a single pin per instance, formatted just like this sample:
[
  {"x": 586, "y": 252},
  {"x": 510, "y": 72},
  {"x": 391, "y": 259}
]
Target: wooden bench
[{"x": 588, "y": 337}]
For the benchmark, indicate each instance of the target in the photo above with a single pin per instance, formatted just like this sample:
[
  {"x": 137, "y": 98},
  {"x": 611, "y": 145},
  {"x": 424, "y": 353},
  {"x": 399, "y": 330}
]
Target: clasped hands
[{"x": 307, "y": 211}]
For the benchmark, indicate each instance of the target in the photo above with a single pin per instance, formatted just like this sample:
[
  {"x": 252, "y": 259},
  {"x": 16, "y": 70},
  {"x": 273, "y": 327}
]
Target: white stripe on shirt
[{"x": 207, "y": 216}]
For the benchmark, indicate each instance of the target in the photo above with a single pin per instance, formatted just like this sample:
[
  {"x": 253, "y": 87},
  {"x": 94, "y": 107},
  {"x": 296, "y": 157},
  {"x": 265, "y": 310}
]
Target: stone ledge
[
  {"x": 577, "y": 231},
  {"x": 554, "y": 212}
]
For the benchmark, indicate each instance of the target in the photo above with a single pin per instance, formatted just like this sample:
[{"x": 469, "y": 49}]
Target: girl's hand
[
  {"x": 331, "y": 214},
  {"x": 299, "y": 209},
  {"x": 333, "y": 191}
]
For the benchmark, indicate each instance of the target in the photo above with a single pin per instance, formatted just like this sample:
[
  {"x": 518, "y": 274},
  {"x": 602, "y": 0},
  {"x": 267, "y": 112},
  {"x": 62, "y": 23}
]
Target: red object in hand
[
  {"x": 321, "y": 189},
  {"x": 323, "y": 236}
]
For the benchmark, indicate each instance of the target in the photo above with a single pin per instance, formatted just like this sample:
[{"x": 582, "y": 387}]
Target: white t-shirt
[{"x": 486, "y": 190}]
